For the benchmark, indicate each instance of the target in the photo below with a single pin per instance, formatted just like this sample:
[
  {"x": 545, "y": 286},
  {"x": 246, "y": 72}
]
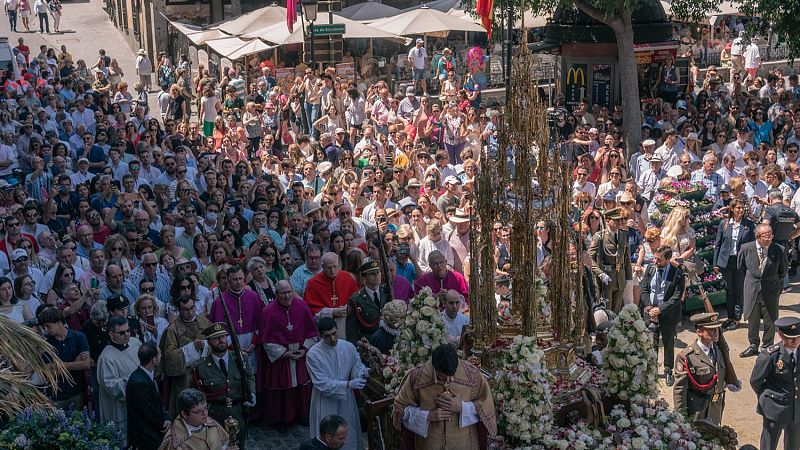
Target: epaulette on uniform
[{"x": 774, "y": 348}]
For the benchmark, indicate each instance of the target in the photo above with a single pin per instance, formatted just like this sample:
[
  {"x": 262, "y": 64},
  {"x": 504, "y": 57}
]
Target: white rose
[
  {"x": 422, "y": 351},
  {"x": 387, "y": 372},
  {"x": 430, "y": 301},
  {"x": 426, "y": 311}
]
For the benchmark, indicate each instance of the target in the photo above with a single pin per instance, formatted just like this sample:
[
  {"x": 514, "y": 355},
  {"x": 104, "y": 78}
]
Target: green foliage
[
  {"x": 74, "y": 430},
  {"x": 780, "y": 15}
]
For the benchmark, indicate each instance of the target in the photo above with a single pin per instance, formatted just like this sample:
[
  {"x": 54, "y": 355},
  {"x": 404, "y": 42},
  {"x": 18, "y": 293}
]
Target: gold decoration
[{"x": 231, "y": 426}]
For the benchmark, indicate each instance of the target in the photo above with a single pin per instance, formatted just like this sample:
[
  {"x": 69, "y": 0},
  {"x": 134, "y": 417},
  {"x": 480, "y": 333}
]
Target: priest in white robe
[
  {"x": 335, "y": 368},
  {"x": 114, "y": 366}
]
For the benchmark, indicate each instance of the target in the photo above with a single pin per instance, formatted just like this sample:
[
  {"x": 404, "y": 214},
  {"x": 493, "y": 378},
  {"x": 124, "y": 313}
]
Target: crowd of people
[{"x": 142, "y": 239}]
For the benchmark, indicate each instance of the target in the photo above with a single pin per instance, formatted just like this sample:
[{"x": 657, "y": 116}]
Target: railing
[{"x": 768, "y": 53}]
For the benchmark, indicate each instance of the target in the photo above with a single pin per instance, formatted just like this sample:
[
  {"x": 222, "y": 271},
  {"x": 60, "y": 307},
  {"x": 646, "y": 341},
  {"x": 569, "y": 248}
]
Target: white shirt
[
  {"x": 417, "y": 55},
  {"x": 738, "y": 151},
  {"x": 752, "y": 56},
  {"x": 588, "y": 187},
  {"x": 453, "y": 327}
]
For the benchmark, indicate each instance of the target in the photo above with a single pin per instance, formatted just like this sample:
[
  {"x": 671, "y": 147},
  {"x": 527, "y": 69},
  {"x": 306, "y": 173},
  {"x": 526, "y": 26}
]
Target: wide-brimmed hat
[{"x": 460, "y": 216}]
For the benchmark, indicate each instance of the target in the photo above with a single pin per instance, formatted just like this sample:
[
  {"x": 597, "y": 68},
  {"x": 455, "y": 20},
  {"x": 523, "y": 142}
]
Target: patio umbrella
[
  {"x": 425, "y": 21},
  {"x": 368, "y": 11},
  {"x": 439, "y": 5},
  {"x": 197, "y": 35},
  {"x": 259, "y": 18},
  {"x": 353, "y": 30},
  {"x": 531, "y": 21}
]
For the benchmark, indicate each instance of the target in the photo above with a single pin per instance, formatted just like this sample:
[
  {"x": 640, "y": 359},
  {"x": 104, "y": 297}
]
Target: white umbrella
[
  {"x": 259, "y": 18},
  {"x": 425, "y": 21},
  {"x": 353, "y": 30},
  {"x": 531, "y": 21},
  {"x": 254, "y": 46},
  {"x": 196, "y": 34},
  {"x": 439, "y": 5},
  {"x": 368, "y": 11}
]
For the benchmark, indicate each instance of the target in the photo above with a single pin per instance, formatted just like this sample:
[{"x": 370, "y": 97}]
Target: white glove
[
  {"x": 252, "y": 401},
  {"x": 735, "y": 387},
  {"x": 605, "y": 278},
  {"x": 357, "y": 383}
]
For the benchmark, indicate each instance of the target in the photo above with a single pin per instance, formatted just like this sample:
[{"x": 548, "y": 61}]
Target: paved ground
[{"x": 740, "y": 408}]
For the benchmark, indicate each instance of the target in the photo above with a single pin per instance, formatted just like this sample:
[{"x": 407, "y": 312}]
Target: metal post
[
  {"x": 311, "y": 38},
  {"x": 509, "y": 47}
]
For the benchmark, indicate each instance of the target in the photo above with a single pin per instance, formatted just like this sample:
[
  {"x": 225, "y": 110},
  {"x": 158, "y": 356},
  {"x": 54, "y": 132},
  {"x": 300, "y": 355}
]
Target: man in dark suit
[
  {"x": 366, "y": 304},
  {"x": 662, "y": 287},
  {"x": 764, "y": 263},
  {"x": 776, "y": 381},
  {"x": 148, "y": 419},
  {"x": 332, "y": 434},
  {"x": 611, "y": 262},
  {"x": 731, "y": 235}
]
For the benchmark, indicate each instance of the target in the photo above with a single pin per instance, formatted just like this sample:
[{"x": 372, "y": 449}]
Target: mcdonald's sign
[
  {"x": 576, "y": 77},
  {"x": 575, "y": 83}
]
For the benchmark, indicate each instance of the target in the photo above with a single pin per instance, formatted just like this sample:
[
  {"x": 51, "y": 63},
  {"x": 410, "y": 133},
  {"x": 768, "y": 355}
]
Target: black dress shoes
[
  {"x": 669, "y": 379},
  {"x": 750, "y": 351}
]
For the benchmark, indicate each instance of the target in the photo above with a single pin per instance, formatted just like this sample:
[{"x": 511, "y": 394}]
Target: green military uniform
[
  {"x": 610, "y": 254},
  {"x": 701, "y": 375},
  {"x": 365, "y": 313},
  {"x": 222, "y": 383}
]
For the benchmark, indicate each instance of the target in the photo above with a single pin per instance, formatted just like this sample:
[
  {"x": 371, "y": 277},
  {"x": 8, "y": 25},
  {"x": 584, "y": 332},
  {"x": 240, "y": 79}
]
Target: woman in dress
[
  {"x": 24, "y": 12},
  {"x": 169, "y": 244},
  {"x": 55, "y": 11},
  {"x": 25, "y": 292},
  {"x": 201, "y": 256},
  {"x": 10, "y": 308},
  {"x": 678, "y": 234},
  {"x": 115, "y": 75},
  {"x": 474, "y": 130},
  {"x": 330, "y": 121}
]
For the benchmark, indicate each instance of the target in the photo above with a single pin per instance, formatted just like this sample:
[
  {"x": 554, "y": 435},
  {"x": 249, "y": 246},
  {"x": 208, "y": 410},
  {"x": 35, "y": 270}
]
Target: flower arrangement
[
  {"x": 422, "y": 331},
  {"x": 75, "y": 430},
  {"x": 522, "y": 392},
  {"x": 629, "y": 360},
  {"x": 649, "y": 425},
  {"x": 540, "y": 293}
]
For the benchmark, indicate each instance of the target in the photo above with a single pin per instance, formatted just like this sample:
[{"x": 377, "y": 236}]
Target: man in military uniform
[
  {"x": 118, "y": 305},
  {"x": 783, "y": 220},
  {"x": 703, "y": 371},
  {"x": 182, "y": 346},
  {"x": 364, "y": 307},
  {"x": 611, "y": 260},
  {"x": 776, "y": 381},
  {"x": 222, "y": 377}
]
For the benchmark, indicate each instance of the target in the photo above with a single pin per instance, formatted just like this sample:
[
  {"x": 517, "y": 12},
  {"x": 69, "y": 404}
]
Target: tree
[
  {"x": 778, "y": 15},
  {"x": 617, "y": 15}
]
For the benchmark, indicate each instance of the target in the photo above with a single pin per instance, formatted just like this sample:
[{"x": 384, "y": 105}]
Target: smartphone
[{"x": 94, "y": 283}]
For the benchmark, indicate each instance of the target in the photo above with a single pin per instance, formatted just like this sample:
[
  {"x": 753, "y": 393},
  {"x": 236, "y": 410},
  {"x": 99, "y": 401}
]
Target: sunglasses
[{"x": 147, "y": 289}]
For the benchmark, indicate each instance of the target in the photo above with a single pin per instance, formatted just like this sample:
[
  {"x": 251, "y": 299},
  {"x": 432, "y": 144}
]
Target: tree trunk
[
  {"x": 629, "y": 81},
  {"x": 622, "y": 25}
]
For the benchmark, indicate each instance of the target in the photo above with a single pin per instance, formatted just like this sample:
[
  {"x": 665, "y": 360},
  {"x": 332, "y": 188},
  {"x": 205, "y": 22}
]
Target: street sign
[{"x": 328, "y": 29}]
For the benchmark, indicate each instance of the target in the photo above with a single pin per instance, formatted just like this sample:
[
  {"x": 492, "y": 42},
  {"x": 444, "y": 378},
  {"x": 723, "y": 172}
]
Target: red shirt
[{"x": 25, "y": 52}]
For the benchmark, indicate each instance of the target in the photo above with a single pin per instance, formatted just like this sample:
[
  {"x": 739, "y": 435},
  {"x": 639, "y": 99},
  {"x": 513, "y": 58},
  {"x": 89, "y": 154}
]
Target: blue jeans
[
  {"x": 312, "y": 113},
  {"x": 12, "y": 20}
]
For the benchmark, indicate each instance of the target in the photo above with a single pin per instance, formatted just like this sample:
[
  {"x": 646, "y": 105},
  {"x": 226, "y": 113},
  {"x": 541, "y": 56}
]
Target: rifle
[
  {"x": 730, "y": 371},
  {"x": 387, "y": 284},
  {"x": 237, "y": 351}
]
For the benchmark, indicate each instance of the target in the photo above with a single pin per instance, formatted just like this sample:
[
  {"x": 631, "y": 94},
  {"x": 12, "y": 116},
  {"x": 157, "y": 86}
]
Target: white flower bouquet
[
  {"x": 629, "y": 361},
  {"x": 421, "y": 332},
  {"x": 522, "y": 393}
]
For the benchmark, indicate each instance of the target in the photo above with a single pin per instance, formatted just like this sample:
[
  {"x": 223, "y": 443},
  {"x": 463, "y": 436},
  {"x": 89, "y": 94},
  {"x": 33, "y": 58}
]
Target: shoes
[
  {"x": 750, "y": 351},
  {"x": 730, "y": 324},
  {"x": 668, "y": 378},
  {"x": 787, "y": 289}
]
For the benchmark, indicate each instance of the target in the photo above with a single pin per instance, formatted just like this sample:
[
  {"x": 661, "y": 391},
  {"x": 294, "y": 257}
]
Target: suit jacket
[
  {"x": 365, "y": 316},
  {"x": 313, "y": 444},
  {"x": 776, "y": 382},
  {"x": 607, "y": 255},
  {"x": 724, "y": 242},
  {"x": 146, "y": 412},
  {"x": 767, "y": 282},
  {"x": 671, "y": 306}
]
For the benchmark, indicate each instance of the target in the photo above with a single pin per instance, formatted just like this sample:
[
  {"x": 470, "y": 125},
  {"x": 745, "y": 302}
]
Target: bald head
[{"x": 330, "y": 264}]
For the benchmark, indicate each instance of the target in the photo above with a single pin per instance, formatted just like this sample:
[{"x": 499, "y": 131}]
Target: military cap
[
  {"x": 613, "y": 213},
  {"x": 789, "y": 326},
  {"x": 116, "y": 302},
  {"x": 215, "y": 330},
  {"x": 369, "y": 265},
  {"x": 706, "y": 320}
]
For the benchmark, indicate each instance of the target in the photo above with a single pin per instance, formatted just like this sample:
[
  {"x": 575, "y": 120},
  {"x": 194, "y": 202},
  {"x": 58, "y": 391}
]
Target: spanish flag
[{"x": 484, "y": 9}]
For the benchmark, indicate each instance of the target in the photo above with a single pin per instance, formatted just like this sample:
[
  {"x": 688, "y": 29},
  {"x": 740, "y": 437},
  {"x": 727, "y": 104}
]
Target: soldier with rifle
[{"x": 226, "y": 379}]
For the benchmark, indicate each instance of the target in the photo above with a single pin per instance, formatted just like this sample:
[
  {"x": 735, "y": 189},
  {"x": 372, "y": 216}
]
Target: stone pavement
[
  {"x": 264, "y": 438},
  {"x": 85, "y": 28}
]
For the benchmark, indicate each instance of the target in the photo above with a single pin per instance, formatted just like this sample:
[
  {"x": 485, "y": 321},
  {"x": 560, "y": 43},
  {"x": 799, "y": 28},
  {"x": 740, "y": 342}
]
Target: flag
[
  {"x": 291, "y": 14},
  {"x": 484, "y": 9}
]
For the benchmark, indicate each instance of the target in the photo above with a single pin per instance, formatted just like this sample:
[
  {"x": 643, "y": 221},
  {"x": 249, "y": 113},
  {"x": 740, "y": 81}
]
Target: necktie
[
  {"x": 712, "y": 355},
  {"x": 761, "y": 258},
  {"x": 222, "y": 367},
  {"x": 377, "y": 300},
  {"x": 659, "y": 282}
]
